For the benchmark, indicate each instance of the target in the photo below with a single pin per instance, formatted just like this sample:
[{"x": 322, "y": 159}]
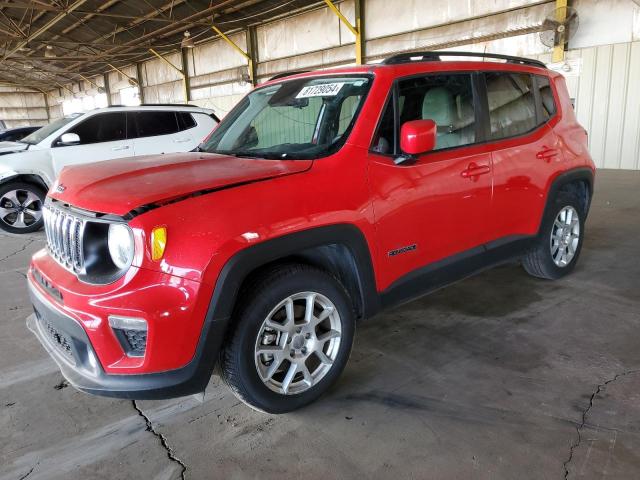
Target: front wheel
[
  {"x": 291, "y": 341},
  {"x": 21, "y": 207},
  {"x": 560, "y": 241}
]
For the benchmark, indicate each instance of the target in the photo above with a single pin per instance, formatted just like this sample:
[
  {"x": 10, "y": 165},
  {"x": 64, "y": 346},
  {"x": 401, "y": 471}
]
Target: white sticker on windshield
[{"x": 324, "y": 90}]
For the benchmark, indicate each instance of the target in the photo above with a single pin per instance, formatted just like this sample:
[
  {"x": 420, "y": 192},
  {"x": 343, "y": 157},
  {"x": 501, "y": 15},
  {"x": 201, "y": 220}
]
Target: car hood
[
  {"x": 119, "y": 186},
  {"x": 10, "y": 147}
]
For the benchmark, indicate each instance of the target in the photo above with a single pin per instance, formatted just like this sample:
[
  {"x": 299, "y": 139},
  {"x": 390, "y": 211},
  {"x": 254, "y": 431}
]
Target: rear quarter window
[
  {"x": 512, "y": 104},
  {"x": 546, "y": 97}
]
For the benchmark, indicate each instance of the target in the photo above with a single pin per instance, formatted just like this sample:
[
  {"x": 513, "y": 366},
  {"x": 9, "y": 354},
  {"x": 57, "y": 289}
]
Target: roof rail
[
  {"x": 156, "y": 105},
  {"x": 431, "y": 56},
  {"x": 288, "y": 74}
]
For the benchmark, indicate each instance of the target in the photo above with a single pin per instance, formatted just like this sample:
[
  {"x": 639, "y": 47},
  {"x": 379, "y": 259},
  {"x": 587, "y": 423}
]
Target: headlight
[{"x": 121, "y": 245}]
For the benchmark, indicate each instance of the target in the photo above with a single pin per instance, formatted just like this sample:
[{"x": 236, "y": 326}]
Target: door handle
[
  {"x": 473, "y": 171},
  {"x": 181, "y": 140},
  {"x": 121, "y": 147},
  {"x": 546, "y": 153}
]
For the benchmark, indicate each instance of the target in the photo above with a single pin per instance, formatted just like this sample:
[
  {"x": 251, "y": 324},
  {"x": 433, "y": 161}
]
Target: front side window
[
  {"x": 445, "y": 99},
  {"x": 42, "y": 133},
  {"x": 512, "y": 104},
  {"x": 306, "y": 118},
  {"x": 103, "y": 127}
]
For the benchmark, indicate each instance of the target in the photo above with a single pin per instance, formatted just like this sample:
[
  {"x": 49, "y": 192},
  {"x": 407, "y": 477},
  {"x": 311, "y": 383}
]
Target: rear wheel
[
  {"x": 292, "y": 339},
  {"x": 560, "y": 242},
  {"x": 21, "y": 207}
]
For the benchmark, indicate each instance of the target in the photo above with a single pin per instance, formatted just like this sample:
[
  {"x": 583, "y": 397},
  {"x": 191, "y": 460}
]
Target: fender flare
[
  {"x": 556, "y": 183},
  {"x": 240, "y": 265}
]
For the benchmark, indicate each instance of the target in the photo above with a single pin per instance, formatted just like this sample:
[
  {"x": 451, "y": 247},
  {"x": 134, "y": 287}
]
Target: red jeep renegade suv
[{"x": 321, "y": 199}]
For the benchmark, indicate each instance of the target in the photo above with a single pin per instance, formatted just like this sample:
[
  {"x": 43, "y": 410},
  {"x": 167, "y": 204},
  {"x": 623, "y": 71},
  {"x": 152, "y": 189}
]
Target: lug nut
[
  {"x": 304, "y": 350},
  {"x": 307, "y": 336},
  {"x": 298, "y": 330},
  {"x": 292, "y": 352}
]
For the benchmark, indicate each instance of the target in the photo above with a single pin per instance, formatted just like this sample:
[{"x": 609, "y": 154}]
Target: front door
[
  {"x": 102, "y": 137},
  {"x": 436, "y": 206}
]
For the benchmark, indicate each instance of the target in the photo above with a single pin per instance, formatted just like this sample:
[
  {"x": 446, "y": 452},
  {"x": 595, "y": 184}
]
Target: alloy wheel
[
  {"x": 298, "y": 343},
  {"x": 20, "y": 208},
  {"x": 565, "y": 236}
]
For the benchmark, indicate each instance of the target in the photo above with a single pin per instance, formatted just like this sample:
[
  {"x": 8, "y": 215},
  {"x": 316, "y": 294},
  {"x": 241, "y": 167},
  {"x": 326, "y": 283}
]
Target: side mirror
[
  {"x": 69, "y": 139},
  {"x": 418, "y": 136}
]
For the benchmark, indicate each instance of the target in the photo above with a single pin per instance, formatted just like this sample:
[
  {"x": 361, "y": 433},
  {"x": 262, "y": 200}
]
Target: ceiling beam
[
  {"x": 162, "y": 31},
  {"x": 43, "y": 29}
]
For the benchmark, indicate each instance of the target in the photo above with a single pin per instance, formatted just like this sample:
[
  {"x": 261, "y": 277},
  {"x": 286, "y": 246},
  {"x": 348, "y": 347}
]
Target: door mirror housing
[
  {"x": 418, "y": 136},
  {"x": 69, "y": 139}
]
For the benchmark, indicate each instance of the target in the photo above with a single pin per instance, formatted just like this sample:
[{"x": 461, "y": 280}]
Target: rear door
[
  {"x": 438, "y": 205},
  {"x": 525, "y": 151},
  {"x": 102, "y": 137},
  {"x": 160, "y": 132}
]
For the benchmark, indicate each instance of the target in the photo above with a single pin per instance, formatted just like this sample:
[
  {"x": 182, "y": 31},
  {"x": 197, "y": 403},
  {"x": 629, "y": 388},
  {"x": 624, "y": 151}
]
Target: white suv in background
[{"x": 29, "y": 167}]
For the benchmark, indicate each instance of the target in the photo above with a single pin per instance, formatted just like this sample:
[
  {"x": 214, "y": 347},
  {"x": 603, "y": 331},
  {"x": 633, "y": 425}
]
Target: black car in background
[{"x": 15, "y": 134}]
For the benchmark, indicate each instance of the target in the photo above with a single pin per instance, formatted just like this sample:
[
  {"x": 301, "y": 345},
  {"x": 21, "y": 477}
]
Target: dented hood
[{"x": 119, "y": 186}]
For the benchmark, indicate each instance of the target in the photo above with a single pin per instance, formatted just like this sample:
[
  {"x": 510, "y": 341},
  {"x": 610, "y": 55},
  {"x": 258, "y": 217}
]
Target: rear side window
[
  {"x": 185, "y": 120},
  {"x": 104, "y": 127},
  {"x": 512, "y": 104},
  {"x": 546, "y": 97},
  {"x": 151, "y": 124}
]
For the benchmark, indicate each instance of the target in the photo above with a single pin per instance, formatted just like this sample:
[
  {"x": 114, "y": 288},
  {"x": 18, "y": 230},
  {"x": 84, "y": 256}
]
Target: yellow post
[
  {"x": 120, "y": 71},
  {"x": 235, "y": 46},
  {"x": 561, "y": 16},
  {"x": 185, "y": 84},
  {"x": 356, "y": 30}
]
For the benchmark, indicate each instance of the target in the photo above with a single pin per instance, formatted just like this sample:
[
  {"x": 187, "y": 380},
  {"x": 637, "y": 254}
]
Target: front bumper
[{"x": 65, "y": 339}]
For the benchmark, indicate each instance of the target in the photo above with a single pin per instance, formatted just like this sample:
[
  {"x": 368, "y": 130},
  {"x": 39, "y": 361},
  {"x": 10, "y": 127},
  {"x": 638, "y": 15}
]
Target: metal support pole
[
  {"x": 182, "y": 71},
  {"x": 120, "y": 71},
  {"x": 252, "y": 53},
  {"x": 186, "y": 84},
  {"x": 561, "y": 16},
  {"x": 107, "y": 88},
  {"x": 246, "y": 55},
  {"x": 140, "y": 86},
  {"x": 356, "y": 29}
]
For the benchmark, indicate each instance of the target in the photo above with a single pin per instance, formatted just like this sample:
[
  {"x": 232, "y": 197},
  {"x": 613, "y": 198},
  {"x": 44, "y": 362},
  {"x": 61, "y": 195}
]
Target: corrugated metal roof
[{"x": 46, "y": 43}]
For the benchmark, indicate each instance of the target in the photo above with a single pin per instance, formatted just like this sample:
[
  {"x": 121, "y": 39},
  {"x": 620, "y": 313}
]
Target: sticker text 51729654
[{"x": 323, "y": 90}]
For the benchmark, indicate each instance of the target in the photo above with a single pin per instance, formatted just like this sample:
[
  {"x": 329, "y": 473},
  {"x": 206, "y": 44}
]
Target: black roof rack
[
  {"x": 157, "y": 105},
  {"x": 288, "y": 74},
  {"x": 435, "y": 57}
]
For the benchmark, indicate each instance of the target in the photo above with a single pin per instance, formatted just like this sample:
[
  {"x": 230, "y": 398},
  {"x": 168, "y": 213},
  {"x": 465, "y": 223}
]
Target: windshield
[
  {"x": 44, "y": 132},
  {"x": 296, "y": 119}
]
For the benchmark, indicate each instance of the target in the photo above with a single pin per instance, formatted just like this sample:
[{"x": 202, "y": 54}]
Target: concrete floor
[{"x": 499, "y": 376}]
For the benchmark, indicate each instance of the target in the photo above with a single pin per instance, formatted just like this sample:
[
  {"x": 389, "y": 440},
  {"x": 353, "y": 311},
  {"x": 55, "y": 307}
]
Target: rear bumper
[{"x": 69, "y": 345}]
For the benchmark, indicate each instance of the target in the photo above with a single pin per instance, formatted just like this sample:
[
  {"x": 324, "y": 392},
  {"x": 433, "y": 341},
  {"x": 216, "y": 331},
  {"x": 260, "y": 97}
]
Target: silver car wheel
[
  {"x": 565, "y": 236},
  {"x": 298, "y": 343},
  {"x": 20, "y": 208}
]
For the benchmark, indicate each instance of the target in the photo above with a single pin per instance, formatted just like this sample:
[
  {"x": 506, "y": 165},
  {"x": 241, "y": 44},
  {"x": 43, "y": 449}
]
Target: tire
[
  {"x": 265, "y": 304},
  {"x": 21, "y": 207},
  {"x": 546, "y": 261}
]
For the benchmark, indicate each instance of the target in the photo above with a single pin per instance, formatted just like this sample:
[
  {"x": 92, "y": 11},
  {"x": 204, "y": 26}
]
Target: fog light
[
  {"x": 158, "y": 243},
  {"x": 131, "y": 332}
]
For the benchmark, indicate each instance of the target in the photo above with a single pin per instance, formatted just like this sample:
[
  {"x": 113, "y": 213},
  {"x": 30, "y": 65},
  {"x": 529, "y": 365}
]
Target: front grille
[
  {"x": 57, "y": 338},
  {"x": 64, "y": 237}
]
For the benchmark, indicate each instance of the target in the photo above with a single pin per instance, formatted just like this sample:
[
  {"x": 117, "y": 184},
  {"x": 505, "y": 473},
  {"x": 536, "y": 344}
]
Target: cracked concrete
[
  {"x": 585, "y": 413},
  {"x": 162, "y": 439},
  {"x": 500, "y": 376}
]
